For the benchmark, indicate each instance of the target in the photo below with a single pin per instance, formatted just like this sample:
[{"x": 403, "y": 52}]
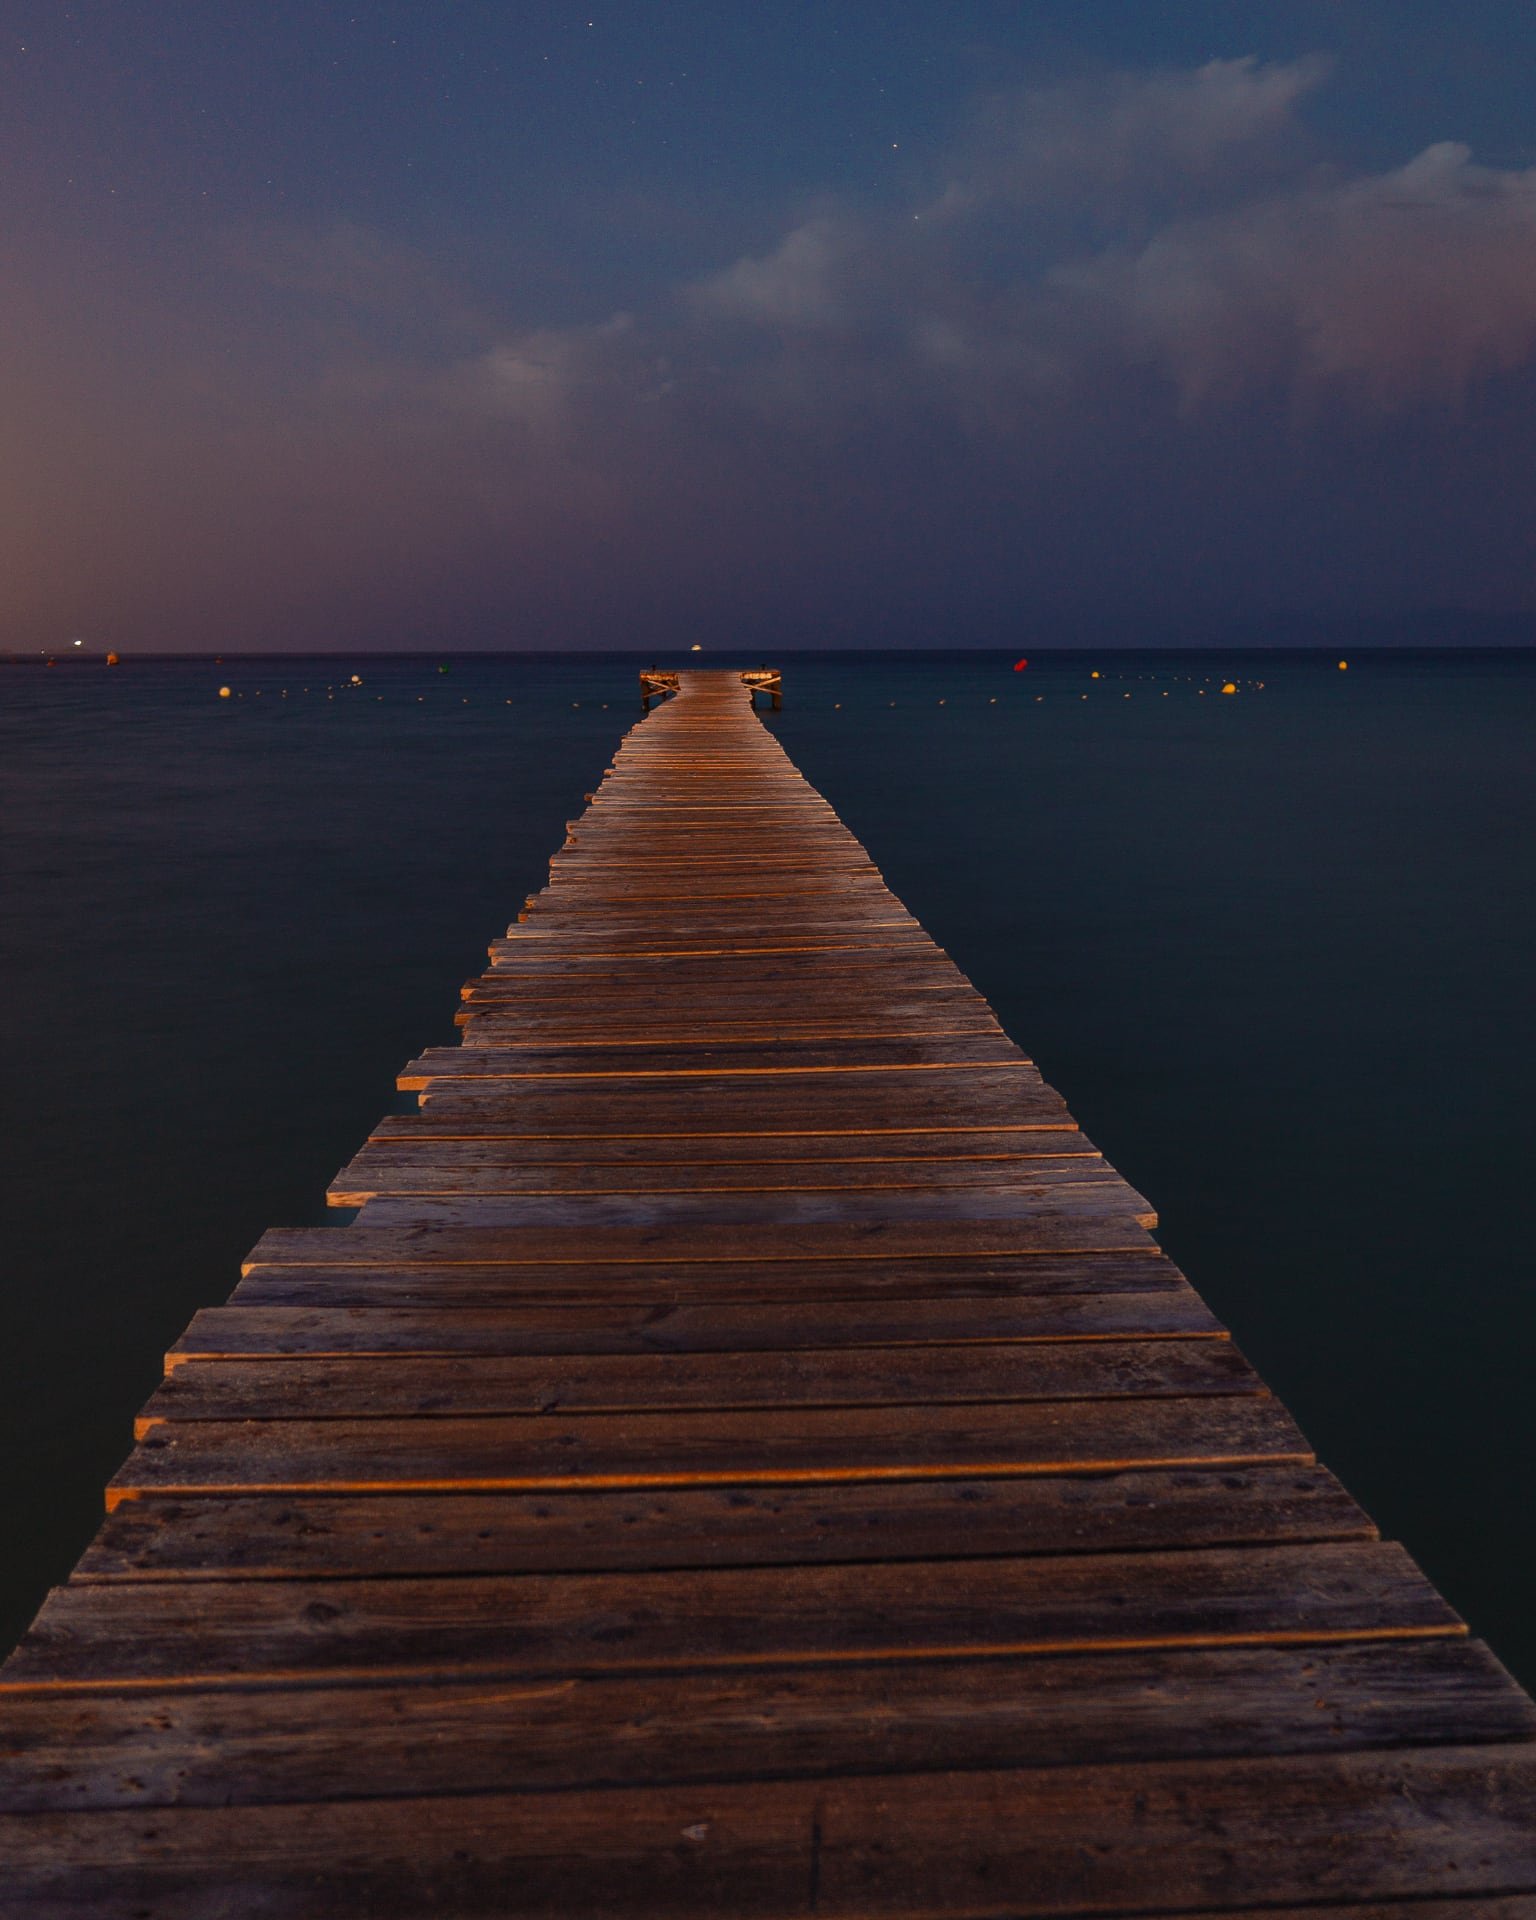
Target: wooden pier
[{"x": 747, "y": 1457}]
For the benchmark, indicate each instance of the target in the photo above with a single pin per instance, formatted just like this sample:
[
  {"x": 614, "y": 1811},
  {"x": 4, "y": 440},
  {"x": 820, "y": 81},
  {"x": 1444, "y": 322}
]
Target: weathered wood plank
[
  {"x": 663, "y": 1052},
  {"x": 459, "y": 1167},
  {"x": 1045, "y": 1208},
  {"x": 804, "y": 1028},
  {"x": 256, "y": 1536},
  {"x": 845, "y": 1102},
  {"x": 493, "y": 1142},
  {"x": 845, "y": 912},
  {"x": 571, "y": 899},
  {"x": 707, "y": 1021},
  {"x": 1108, "y": 1841},
  {"x": 250, "y": 1630},
  {"x": 178, "y": 1748},
  {"x": 680, "y": 1449},
  {"x": 1055, "y": 1225},
  {"x": 483, "y": 1284},
  {"x": 558, "y": 972},
  {"x": 871, "y": 974},
  {"x": 661, "y": 1060},
  {"x": 727, "y": 1326},
  {"x": 746, "y": 1010},
  {"x": 393, "y": 1387},
  {"x": 619, "y": 938}
]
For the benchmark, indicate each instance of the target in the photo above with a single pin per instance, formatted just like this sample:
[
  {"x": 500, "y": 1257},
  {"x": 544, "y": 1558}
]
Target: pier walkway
[{"x": 747, "y": 1457}]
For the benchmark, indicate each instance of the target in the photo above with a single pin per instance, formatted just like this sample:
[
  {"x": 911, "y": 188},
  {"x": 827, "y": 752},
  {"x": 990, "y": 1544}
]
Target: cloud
[
  {"x": 1390, "y": 289},
  {"x": 1118, "y": 142},
  {"x": 1133, "y": 345}
]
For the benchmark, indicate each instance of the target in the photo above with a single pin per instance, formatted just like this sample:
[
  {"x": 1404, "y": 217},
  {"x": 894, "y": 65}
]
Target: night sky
[{"x": 807, "y": 323}]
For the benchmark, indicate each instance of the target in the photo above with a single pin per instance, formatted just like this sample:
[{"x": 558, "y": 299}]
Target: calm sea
[{"x": 1274, "y": 946}]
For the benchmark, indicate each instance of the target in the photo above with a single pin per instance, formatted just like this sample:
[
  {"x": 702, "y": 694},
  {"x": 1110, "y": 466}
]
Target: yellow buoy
[
  {"x": 1343, "y": 666},
  {"x": 223, "y": 693},
  {"x": 1094, "y": 675},
  {"x": 1228, "y": 687}
]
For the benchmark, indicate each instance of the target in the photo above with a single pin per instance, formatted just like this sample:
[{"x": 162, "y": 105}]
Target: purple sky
[{"x": 376, "y": 330}]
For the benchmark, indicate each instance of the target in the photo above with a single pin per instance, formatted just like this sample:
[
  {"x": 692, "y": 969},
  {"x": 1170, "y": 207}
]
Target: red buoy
[{"x": 1020, "y": 665}]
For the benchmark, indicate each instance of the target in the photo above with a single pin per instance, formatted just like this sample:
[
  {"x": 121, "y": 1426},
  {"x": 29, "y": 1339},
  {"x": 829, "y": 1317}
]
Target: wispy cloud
[{"x": 1117, "y": 311}]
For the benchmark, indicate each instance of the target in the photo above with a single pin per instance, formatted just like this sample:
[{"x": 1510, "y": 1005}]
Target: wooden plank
[
  {"x": 382, "y": 1170},
  {"x": 663, "y": 1060},
  {"x": 993, "y": 1058},
  {"x": 571, "y": 899},
  {"x": 850, "y": 1102},
  {"x": 497, "y": 1144},
  {"x": 788, "y": 1006},
  {"x": 179, "y": 1748},
  {"x": 873, "y": 979},
  {"x": 680, "y": 868},
  {"x": 538, "y": 941},
  {"x": 289, "y": 1536},
  {"x": 492, "y": 1168},
  {"x": 865, "y": 1010},
  {"x": 383, "y": 1387},
  {"x": 275, "y": 1631},
  {"x": 1169, "y": 1838},
  {"x": 847, "y": 912},
  {"x": 707, "y": 1023},
  {"x": 727, "y": 1326},
  {"x": 679, "y": 864},
  {"x": 1055, "y": 1213},
  {"x": 1012, "y": 1276},
  {"x": 689, "y": 1449},
  {"x": 539, "y": 949},
  {"x": 862, "y": 965},
  {"x": 1055, "y": 1226}
]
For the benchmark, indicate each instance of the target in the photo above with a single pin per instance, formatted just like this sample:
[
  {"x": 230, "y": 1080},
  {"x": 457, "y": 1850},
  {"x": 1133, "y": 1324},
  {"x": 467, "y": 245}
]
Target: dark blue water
[{"x": 1275, "y": 947}]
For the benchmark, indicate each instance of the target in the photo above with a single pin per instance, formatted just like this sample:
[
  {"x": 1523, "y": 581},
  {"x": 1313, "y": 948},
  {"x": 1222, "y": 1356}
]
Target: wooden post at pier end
[
  {"x": 748, "y": 1459},
  {"x": 655, "y": 685},
  {"x": 765, "y": 680}
]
